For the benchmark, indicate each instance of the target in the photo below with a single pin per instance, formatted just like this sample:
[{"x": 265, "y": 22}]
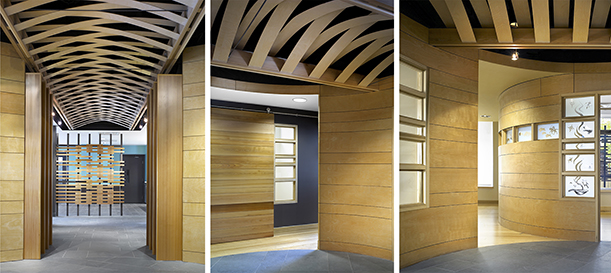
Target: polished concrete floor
[
  {"x": 100, "y": 244},
  {"x": 552, "y": 257},
  {"x": 296, "y": 261}
]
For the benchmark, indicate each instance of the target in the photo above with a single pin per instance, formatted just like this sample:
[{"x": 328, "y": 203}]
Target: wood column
[
  {"x": 169, "y": 167},
  {"x": 33, "y": 179}
]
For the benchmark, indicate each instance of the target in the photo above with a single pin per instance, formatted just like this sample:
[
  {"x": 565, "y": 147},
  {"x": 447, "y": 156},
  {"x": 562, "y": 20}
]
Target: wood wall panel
[
  {"x": 242, "y": 175},
  {"x": 169, "y": 203},
  {"x": 529, "y": 194},
  {"x": 355, "y": 171},
  {"x": 194, "y": 155},
  {"x": 449, "y": 223},
  {"x": 12, "y": 153}
]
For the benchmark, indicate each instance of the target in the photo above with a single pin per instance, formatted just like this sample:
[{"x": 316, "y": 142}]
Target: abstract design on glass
[
  {"x": 579, "y": 107},
  {"x": 551, "y": 133},
  {"x": 580, "y": 186},
  {"x": 582, "y": 130},
  {"x": 580, "y": 163}
]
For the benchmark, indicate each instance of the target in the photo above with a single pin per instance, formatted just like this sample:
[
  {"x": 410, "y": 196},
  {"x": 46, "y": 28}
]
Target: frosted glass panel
[
  {"x": 583, "y": 129},
  {"x": 579, "y": 186},
  {"x": 579, "y": 146},
  {"x": 285, "y": 172},
  {"x": 285, "y": 160},
  {"x": 285, "y": 191},
  {"x": 579, "y": 107},
  {"x": 411, "y": 76},
  {"x": 404, "y": 128},
  {"x": 285, "y": 148},
  {"x": 410, "y": 187},
  {"x": 285, "y": 133},
  {"x": 485, "y": 154},
  {"x": 509, "y": 136},
  {"x": 411, "y": 152},
  {"x": 411, "y": 106},
  {"x": 579, "y": 163},
  {"x": 524, "y": 133},
  {"x": 547, "y": 131}
]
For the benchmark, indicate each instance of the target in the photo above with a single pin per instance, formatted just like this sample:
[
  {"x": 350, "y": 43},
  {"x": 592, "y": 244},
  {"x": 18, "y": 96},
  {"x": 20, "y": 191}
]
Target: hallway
[{"x": 100, "y": 244}]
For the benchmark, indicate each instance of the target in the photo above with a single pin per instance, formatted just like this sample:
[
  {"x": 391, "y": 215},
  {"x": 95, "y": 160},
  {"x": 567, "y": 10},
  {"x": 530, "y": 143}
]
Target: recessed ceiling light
[
  {"x": 513, "y": 24},
  {"x": 140, "y": 126},
  {"x": 146, "y": 120},
  {"x": 300, "y": 99},
  {"x": 515, "y": 56},
  {"x": 52, "y": 113},
  {"x": 59, "y": 123},
  {"x": 485, "y": 116}
]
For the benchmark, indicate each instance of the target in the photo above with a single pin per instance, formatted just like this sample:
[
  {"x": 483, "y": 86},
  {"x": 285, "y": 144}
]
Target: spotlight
[
  {"x": 513, "y": 24},
  {"x": 59, "y": 123},
  {"x": 52, "y": 113},
  {"x": 140, "y": 126},
  {"x": 514, "y": 56},
  {"x": 146, "y": 119}
]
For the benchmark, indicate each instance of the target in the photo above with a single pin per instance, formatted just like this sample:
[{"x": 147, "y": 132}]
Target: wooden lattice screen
[{"x": 90, "y": 175}]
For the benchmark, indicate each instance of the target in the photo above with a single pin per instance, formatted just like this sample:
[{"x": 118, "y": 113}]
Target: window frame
[
  {"x": 295, "y": 163},
  {"x": 423, "y": 138}
]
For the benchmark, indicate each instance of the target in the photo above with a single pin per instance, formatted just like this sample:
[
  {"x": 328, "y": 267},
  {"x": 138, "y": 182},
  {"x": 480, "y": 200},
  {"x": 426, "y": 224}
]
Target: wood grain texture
[
  {"x": 193, "y": 195},
  {"x": 169, "y": 167},
  {"x": 452, "y": 129},
  {"x": 242, "y": 175},
  {"x": 33, "y": 232},
  {"x": 355, "y": 172}
]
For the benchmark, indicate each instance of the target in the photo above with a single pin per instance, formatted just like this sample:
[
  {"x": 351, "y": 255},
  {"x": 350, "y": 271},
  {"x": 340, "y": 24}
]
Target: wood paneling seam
[
  {"x": 453, "y": 205},
  {"x": 578, "y": 230},
  {"x": 447, "y": 126},
  {"x": 358, "y": 215},
  {"x": 554, "y": 152},
  {"x": 355, "y": 205},
  {"x": 523, "y": 188},
  {"x": 453, "y": 88},
  {"x": 455, "y": 141},
  {"x": 528, "y": 99},
  {"x": 356, "y": 111},
  {"x": 450, "y": 192},
  {"x": 352, "y": 121},
  {"x": 441, "y": 243},
  {"x": 554, "y": 200},
  {"x": 470, "y": 104},
  {"x": 341, "y": 242}
]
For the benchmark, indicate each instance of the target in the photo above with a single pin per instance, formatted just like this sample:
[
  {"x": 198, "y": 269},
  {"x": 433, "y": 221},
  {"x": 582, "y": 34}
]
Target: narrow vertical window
[
  {"x": 412, "y": 136},
  {"x": 285, "y": 164}
]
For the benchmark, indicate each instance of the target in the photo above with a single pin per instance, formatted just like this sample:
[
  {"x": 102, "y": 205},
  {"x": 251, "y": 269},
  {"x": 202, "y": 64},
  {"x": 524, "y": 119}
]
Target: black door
[{"x": 134, "y": 178}]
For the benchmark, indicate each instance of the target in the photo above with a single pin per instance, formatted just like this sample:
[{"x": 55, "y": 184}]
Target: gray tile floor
[
  {"x": 296, "y": 261},
  {"x": 556, "y": 257},
  {"x": 100, "y": 244}
]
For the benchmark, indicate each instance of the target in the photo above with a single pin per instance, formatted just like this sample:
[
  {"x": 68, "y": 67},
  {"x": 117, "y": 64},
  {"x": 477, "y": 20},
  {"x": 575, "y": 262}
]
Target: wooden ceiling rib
[
  {"x": 100, "y": 58},
  {"x": 291, "y": 38},
  {"x": 599, "y": 14},
  {"x": 581, "y": 23},
  {"x": 498, "y": 10},
  {"x": 461, "y": 20}
]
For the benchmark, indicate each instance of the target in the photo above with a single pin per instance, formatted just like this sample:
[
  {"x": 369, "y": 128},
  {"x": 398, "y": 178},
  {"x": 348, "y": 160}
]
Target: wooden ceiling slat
[
  {"x": 561, "y": 13},
  {"x": 271, "y": 31},
  {"x": 581, "y": 23},
  {"x": 383, "y": 34},
  {"x": 253, "y": 17},
  {"x": 600, "y": 13},
  {"x": 25, "y": 5},
  {"x": 229, "y": 27},
  {"x": 522, "y": 12},
  {"x": 306, "y": 40},
  {"x": 498, "y": 10},
  {"x": 362, "y": 58},
  {"x": 541, "y": 20},
  {"x": 443, "y": 12},
  {"x": 483, "y": 13},
  {"x": 461, "y": 20},
  {"x": 305, "y": 18},
  {"x": 214, "y": 9},
  {"x": 377, "y": 70}
]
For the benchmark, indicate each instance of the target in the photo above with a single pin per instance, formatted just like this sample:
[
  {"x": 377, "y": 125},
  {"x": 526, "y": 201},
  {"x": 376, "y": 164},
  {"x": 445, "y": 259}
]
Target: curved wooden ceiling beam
[
  {"x": 94, "y": 56},
  {"x": 106, "y": 83},
  {"x": 115, "y": 18},
  {"x": 101, "y": 52},
  {"x": 229, "y": 27},
  {"x": 362, "y": 58},
  {"x": 103, "y": 42},
  {"x": 99, "y": 111},
  {"x": 215, "y": 5},
  {"x": 249, "y": 23},
  {"x": 271, "y": 31},
  {"x": 99, "y": 75},
  {"x": 99, "y": 95},
  {"x": 25, "y": 5},
  {"x": 151, "y": 9},
  {"x": 306, "y": 41},
  {"x": 384, "y": 49},
  {"x": 75, "y": 74},
  {"x": 165, "y": 8},
  {"x": 97, "y": 64},
  {"x": 98, "y": 90},
  {"x": 337, "y": 48},
  {"x": 305, "y": 18},
  {"x": 188, "y": 3},
  {"x": 96, "y": 102},
  {"x": 75, "y": 103},
  {"x": 341, "y": 27},
  {"x": 90, "y": 48},
  {"x": 94, "y": 121},
  {"x": 382, "y": 34},
  {"x": 376, "y": 71},
  {"x": 96, "y": 118}
]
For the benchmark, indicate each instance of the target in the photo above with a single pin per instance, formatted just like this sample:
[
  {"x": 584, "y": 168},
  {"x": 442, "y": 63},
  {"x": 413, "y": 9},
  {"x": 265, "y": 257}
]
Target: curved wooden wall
[
  {"x": 529, "y": 194},
  {"x": 450, "y": 222},
  {"x": 12, "y": 153},
  {"x": 355, "y": 171}
]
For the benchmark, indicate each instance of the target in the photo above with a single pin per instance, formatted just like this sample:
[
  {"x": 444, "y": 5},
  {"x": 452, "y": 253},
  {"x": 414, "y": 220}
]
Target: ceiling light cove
[{"x": 300, "y": 100}]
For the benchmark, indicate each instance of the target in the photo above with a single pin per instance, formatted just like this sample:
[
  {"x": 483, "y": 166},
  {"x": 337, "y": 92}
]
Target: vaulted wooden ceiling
[
  {"x": 100, "y": 58},
  {"x": 343, "y": 43},
  {"x": 488, "y": 23}
]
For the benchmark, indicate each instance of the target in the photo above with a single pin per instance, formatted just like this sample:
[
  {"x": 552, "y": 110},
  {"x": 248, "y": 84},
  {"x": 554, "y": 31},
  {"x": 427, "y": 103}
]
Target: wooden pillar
[
  {"x": 33, "y": 180},
  {"x": 169, "y": 167}
]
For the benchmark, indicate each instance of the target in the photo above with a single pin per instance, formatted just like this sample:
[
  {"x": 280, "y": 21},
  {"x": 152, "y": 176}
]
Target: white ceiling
[{"x": 285, "y": 101}]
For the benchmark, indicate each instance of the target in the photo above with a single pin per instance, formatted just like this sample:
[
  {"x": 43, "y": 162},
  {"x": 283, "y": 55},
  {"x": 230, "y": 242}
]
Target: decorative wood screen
[{"x": 90, "y": 175}]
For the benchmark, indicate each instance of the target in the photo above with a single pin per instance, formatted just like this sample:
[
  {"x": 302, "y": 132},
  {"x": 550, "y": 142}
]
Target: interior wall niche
[{"x": 90, "y": 174}]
